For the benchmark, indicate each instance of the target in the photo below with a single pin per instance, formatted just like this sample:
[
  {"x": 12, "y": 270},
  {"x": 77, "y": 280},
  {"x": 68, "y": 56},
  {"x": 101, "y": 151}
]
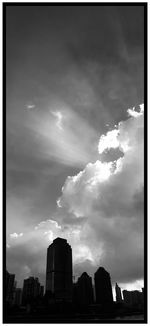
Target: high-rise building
[
  {"x": 59, "y": 270},
  {"x": 10, "y": 287},
  {"x": 31, "y": 289},
  {"x": 103, "y": 288},
  {"x": 84, "y": 289},
  {"x": 118, "y": 293}
]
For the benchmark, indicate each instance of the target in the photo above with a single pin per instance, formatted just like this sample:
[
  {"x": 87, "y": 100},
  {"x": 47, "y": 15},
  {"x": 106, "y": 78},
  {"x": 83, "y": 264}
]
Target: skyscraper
[
  {"x": 103, "y": 287},
  {"x": 84, "y": 289},
  {"x": 118, "y": 293},
  {"x": 59, "y": 270}
]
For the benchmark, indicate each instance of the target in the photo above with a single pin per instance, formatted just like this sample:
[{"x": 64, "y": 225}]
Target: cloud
[
  {"x": 58, "y": 131},
  {"x": 108, "y": 141},
  {"x": 59, "y": 117},
  {"x": 26, "y": 255},
  {"x": 100, "y": 213},
  {"x": 76, "y": 80},
  {"x": 97, "y": 178},
  {"x": 80, "y": 191},
  {"x": 30, "y": 106},
  {"x": 15, "y": 235},
  {"x": 109, "y": 195}
]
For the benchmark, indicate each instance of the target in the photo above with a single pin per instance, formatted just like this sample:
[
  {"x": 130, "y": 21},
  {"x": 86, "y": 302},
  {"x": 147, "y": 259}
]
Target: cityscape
[
  {"x": 66, "y": 300},
  {"x": 74, "y": 113}
]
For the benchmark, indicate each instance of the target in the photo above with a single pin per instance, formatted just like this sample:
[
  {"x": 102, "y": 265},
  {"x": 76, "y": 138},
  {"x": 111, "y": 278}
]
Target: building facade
[
  {"x": 59, "y": 270},
  {"x": 103, "y": 288}
]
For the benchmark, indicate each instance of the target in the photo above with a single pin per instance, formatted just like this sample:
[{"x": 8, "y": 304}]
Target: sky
[{"x": 75, "y": 94}]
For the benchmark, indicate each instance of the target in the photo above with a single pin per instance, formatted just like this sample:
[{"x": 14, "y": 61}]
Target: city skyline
[
  {"x": 55, "y": 261},
  {"x": 66, "y": 299},
  {"x": 75, "y": 138}
]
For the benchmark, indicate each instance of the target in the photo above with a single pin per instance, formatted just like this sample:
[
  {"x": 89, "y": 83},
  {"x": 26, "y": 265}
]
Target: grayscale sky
[{"x": 73, "y": 73}]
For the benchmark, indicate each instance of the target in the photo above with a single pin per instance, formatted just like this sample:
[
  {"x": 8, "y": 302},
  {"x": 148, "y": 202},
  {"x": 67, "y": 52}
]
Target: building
[
  {"x": 118, "y": 293},
  {"x": 133, "y": 298},
  {"x": 10, "y": 287},
  {"x": 84, "y": 289},
  {"x": 41, "y": 290},
  {"x": 103, "y": 288},
  {"x": 143, "y": 297},
  {"x": 136, "y": 297},
  {"x": 18, "y": 297},
  {"x": 59, "y": 270},
  {"x": 31, "y": 289},
  {"x": 127, "y": 297}
]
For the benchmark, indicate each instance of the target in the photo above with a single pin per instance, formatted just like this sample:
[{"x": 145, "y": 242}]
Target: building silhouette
[
  {"x": 41, "y": 291},
  {"x": 84, "y": 289},
  {"x": 18, "y": 297},
  {"x": 59, "y": 270},
  {"x": 143, "y": 297},
  {"x": 10, "y": 287},
  {"x": 133, "y": 298},
  {"x": 31, "y": 289},
  {"x": 118, "y": 293},
  {"x": 103, "y": 288},
  {"x": 127, "y": 297}
]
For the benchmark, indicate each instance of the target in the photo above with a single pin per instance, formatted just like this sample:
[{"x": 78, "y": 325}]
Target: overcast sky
[{"x": 75, "y": 138}]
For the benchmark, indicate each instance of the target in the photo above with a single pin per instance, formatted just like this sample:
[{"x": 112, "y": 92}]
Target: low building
[
  {"x": 10, "y": 287},
  {"x": 31, "y": 290}
]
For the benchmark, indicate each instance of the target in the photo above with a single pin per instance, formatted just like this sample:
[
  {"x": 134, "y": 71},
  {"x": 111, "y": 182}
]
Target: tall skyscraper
[
  {"x": 84, "y": 289},
  {"x": 103, "y": 286},
  {"x": 118, "y": 293},
  {"x": 59, "y": 270}
]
